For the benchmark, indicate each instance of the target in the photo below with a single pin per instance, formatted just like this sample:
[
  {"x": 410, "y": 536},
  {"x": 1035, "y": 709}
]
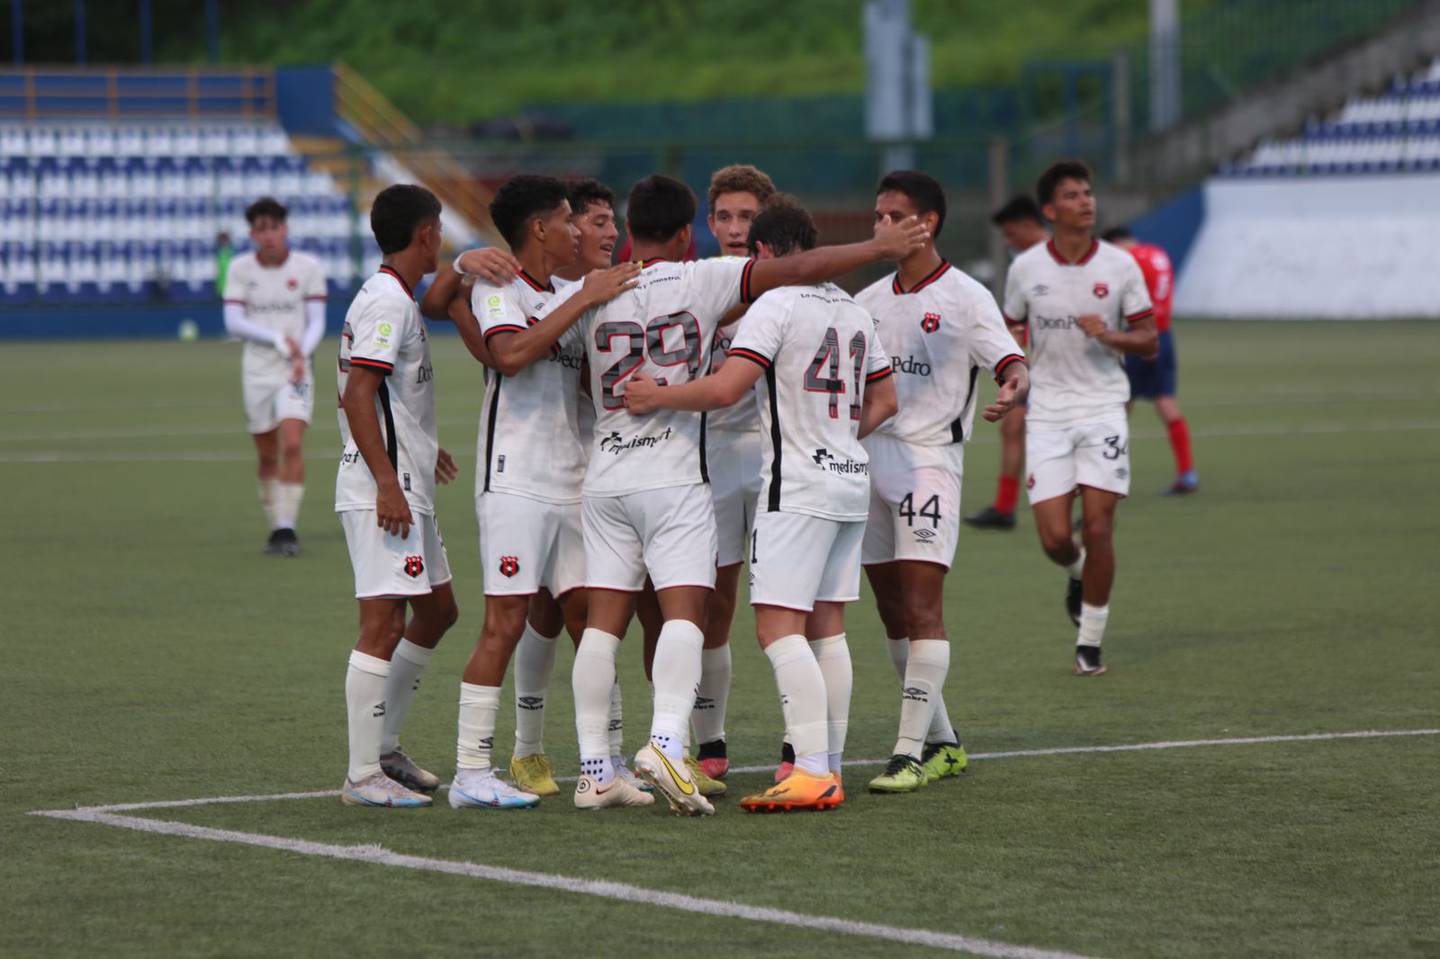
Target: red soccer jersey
[{"x": 1159, "y": 278}]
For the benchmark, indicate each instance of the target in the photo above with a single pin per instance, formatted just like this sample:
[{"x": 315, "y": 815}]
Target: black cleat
[
  {"x": 1087, "y": 661},
  {"x": 272, "y": 545},
  {"x": 288, "y": 542},
  {"x": 990, "y": 518},
  {"x": 1073, "y": 593}
]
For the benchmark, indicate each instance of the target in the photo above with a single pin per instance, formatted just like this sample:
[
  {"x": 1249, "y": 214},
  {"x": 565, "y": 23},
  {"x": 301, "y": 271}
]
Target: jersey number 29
[{"x": 642, "y": 342}]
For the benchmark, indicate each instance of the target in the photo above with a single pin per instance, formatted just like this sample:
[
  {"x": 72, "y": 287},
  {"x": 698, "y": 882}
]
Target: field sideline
[{"x": 157, "y": 656}]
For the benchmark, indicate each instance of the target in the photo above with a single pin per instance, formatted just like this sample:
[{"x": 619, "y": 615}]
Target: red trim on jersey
[
  {"x": 750, "y": 355},
  {"x": 1142, "y": 315},
  {"x": 381, "y": 365},
  {"x": 1089, "y": 254},
  {"x": 310, "y": 299},
  {"x": 745, "y": 294},
  {"x": 236, "y": 302},
  {"x": 1004, "y": 364},
  {"x": 645, "y": 265},
  {"x": 880, "y": 374},
  {"x": 534, "y": 284},
  {"x": 390, "y": 271},
  {"x": 935, "y": 274},
  {"x": 507, "y": 328}
]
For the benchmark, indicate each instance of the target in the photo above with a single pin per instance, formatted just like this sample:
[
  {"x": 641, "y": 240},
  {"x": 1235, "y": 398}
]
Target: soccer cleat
[
  {"x": 534, "y": 774},
  {"x": 1074, "y": 591},
  {"x": 379, "y": 789},
  {"x": 1185, "y": 484},
  {"x": 622, "y": 791},
  {"x": 623, "y": 771},
  {"x": 482, "y": 789},
  {"x": 787, "y": 762},
  {"x": 708, "y": 786},
  {"x": 714, "y": 760},
  {"x": 990, "y": 518},
  {"x": 272, "y": 545},
  {"x": 285, "y": 541},
  {"x": 403, "y": 770},
  {"x": 1087, "y": 661},
  {"x": 943, "y": 759},
  {"x": 800, "y": 790},
  {"x": 673, "y": 781},
  {"x": 903, "y": 774}
]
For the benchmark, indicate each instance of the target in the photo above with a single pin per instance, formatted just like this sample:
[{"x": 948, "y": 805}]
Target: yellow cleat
[
  {"x": 799, "y": 791},
  {"x": 709, "y": 787},
  {"x": 534, "y": 774}
]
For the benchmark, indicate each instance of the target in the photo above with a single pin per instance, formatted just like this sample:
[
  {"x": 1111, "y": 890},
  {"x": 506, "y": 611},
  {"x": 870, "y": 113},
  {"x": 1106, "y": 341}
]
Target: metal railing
[{"x": 117, "y": 93}]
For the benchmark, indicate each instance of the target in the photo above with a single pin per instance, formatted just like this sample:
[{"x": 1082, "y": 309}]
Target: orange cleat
[{"x": 799, "y": 791}]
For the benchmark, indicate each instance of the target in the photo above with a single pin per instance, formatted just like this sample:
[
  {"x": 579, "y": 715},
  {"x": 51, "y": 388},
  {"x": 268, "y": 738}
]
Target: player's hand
[
  {"x": 445, "y": 468},
  {"x": 899, "y": 240},
  {"x": 392, "y": 513},
  {"x": 641, "y": 393},
  {"x": 490, "y": 263},
  {"x": 1091, "y": 324},
  {"x": 602, "y": 286},
  {"x": 297, "y": 362},
  {"x": 1004, "y": 402}
]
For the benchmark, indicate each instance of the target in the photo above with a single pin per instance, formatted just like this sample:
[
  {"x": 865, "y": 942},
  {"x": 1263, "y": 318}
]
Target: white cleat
[
  {"x": 622, "y": 791},
  {"x": 403, "y": 770},
  {"x": 673, "y": 780},
  {"x": 482, "y": 789},
  {"x": 379, "y": 789}
]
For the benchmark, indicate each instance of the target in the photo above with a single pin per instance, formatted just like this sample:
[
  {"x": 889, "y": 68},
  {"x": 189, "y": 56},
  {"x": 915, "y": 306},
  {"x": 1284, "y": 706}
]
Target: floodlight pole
[
  {"x": 1164, "y": 64},
  {"x": 898, "y": 98}
]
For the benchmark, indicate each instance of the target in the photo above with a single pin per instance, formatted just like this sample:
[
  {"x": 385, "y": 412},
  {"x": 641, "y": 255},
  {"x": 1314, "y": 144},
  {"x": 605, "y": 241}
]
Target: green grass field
[{"x": 155, "y": 654}]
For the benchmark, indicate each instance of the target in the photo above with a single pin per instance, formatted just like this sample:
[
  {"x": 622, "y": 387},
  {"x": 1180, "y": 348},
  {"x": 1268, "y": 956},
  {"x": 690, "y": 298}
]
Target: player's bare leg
[
  {"x": 1098, "y": 533},
  {"x": 714, "y": 695},
  {"x": 288, "y": 488},
  {"x": 647, "y": 610},
  {"x": 1001, "y": 513},
  {"x": 676, "y": 676}
]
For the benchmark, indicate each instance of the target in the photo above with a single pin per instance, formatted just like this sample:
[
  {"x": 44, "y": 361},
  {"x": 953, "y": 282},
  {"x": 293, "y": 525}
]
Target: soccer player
[
  {"x": 828, "y": 382},
  {"x": 1022, "y": 225},
  {"x": 1157, "y": 379},
  {"x": 275, "y": 302},
  {"x": 529, "y": 461},
  {"x": 385, "y": 495},
  {"x": 645, "y": 505},
  {"x": 941, "y": 328},
  {"x": 1086, "y": 307}
]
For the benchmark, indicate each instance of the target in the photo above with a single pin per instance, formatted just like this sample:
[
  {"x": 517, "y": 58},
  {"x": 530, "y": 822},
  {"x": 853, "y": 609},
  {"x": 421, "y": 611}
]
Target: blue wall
[
  {"x": 1174, "y": 225},
  {"x": 305, "y": 100},
  {"x": 141, "y": 321}
]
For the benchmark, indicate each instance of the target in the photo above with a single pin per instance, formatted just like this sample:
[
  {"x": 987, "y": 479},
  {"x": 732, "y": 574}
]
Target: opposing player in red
[{"x": 1158, "y": 379}]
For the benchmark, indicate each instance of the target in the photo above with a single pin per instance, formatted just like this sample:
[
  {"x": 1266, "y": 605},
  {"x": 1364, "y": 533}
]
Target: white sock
[
  {"x": 406, "y": 666},
  {"x": 1092, "y": 624},
  {"x": 1077, "y": 568},
  {"x": 287, "y": 504},
  {"x": 676, "y": 673},
  {"x": 714, "y": 695},
  {"x": 616, "y": 729},
  {"x": 479, "y": 708},
  {"x": 801, "y": 684},
  {"x": 925, "y": 670},
  {"x": 267, "y": 500},
  {"x": 832, "y": 654},
  {"x": 365, "y": 711},
  {"x": 534, "y": 664},
  {"x": 941, "y": 731},
  {"x": 592, "y": 680}
]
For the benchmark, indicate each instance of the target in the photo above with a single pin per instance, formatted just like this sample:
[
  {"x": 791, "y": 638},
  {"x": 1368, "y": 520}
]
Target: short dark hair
[
  {"x": 1020, "y": 208},
  {"x": 1063, "y": 170},
  {"x": 660, "y": 207},
  {"x": 922, "y": 189},
  {"x": 266, "y": 206},
  {"x": 522, "y": 199},
  {"x": 398, "y": 211},
  {"x": 585, "y": 191},
  {"x": 783, "y": 225},
  {"x": 1116, "y": 234}
]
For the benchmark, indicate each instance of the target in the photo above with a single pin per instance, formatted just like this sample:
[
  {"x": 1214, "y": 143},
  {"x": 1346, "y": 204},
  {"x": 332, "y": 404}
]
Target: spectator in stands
[{"x": 224, "y": 253}]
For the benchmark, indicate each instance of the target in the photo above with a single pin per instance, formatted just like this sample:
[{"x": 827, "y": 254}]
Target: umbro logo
[
  {"x": 915, "y": 693},
  {"x": 1039, "y": 289},
  {"x": 530, "y": 702},
  {"x": 488, "y": 742},
  {"x": 1121, "y": 473},
  {"x": 925, "y": 534},
  {"x": 379, "y": 710},
  {"x": 704, "y": 702}
]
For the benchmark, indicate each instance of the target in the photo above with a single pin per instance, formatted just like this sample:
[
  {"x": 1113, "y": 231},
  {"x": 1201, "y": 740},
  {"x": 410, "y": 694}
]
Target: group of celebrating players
[{"x": 649, "y": 427}]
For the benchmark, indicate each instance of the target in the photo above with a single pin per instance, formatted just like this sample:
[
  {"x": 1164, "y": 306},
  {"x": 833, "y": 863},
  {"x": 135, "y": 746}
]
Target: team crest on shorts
[
  {"x": 931, "y": 323},
  {"x": 509, "y": 565},
  {"x": 414, "y": 566},
  {"x": 1101, "y": 290}
]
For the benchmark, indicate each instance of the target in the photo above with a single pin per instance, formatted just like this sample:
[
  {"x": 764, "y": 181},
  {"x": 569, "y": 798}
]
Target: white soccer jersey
[
  {"x": 1075, "y": 378},
  {"x": 384, "y": 331},
  {"x": 939, "y": 335},
  {"x": 274, "y": 297},
  {"x": 819, "y": 349},
  {"x": 664, "y": 329},
  {"x": 744, "y": 416},
  {"x": 529, "y": 431}
]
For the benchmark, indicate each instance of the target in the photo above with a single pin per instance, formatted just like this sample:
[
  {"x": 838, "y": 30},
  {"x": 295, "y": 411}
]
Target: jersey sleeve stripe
[
  {"x": 381, "y": 365},
  {"x": 750, "y": 355},
  {"x": 1142, "y": 315},
  {"x": 236, "y": 302},
  {"x": 745, "y": 296},
  {"x": 1004, "y": 364},
  {"x": 880, "y": 374},
  {"x": 321, "y": 298},
  {"x": 506, "y": 328}
]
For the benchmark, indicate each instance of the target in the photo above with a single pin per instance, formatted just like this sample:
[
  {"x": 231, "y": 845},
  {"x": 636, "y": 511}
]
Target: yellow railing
[{"x": 40, "y": 93}]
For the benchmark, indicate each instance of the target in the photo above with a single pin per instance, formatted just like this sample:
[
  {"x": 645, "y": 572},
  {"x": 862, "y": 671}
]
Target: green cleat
[
  {"x": 903, "y": 774},
  {"x": 943, "y": 759}
]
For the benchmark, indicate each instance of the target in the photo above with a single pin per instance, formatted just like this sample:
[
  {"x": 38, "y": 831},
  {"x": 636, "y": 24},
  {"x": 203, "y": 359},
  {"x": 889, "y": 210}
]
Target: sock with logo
[
  {"x": 832, "y": 654},
  {"x": 287, "y": 504},
  {"x": 941, "y": 731},
  {"x": 592, "y": 679},
  {"x": 479, "y": 708},
  {"x": 925, "y": 670},
  {"x": 534, "y": 664},
  {"x": 616, "y": 729},
  {"x": 365, "y": 712},
  {"x": 1007, "y": 494},
  {"x": 801, "y": 684},
  {"x": 267, "y": 501},
  {"x": 1092, "y": 624},
  {"x": 714, "y": 695},
  {"x": 677, "y": 678},
  {"x": 406, "y": 666}
]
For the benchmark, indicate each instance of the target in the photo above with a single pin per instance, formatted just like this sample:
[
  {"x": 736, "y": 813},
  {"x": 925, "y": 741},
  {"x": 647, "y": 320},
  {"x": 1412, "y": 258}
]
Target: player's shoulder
[
  {"x": 957, "y": 283},
  {"x": 305, "y": 261},
  {"x": 877, "y": 292},
  {"x": 382, "y": 292},
  {"x": 244, "y": 261},
  {"x": 1037, "y": 256},
  {"x": 1108, "y": 254}
]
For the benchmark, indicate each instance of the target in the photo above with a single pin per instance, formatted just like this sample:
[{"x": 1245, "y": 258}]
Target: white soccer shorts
[
  {"x": 733, "y": 459},
  {"x": 1095, "y": 454},
  {"x": 669, "y": 532},
  {"x": 526, "y": 544},
  {"x": 798, "y": 560},
  {"x": 387, "y": 565},
  {"x": 914, "y": 510},
  {"x": 271, "y": 398}
]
